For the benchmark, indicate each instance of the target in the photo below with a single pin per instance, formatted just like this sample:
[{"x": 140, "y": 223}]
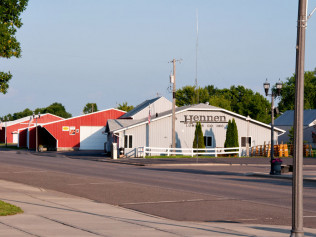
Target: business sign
[
  {"x": 205, "y": 120},
  {"x": 189, "y": 119},
  {"x": 72, "y": 131},
  {"x": 65, "y": 128}
]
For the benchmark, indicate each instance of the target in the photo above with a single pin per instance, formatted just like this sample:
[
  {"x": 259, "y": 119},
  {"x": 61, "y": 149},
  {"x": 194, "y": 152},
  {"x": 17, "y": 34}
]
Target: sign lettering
[{"x": 189, "y": 119}]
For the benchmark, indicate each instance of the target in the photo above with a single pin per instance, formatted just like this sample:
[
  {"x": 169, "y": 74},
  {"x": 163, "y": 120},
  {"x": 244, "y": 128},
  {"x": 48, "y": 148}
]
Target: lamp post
[
  {"x": 247, "y": 138},
  {"x": 274, "y": 94},
  {"x": 36, "y": 117}
]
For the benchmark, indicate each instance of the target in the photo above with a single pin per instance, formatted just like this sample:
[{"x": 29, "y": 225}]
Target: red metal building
[
  {"x": 10, "y": 129},
  {"x": 85, "y": 132}
]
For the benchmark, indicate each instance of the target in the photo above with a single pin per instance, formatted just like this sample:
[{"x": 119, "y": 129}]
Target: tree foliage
[
  {"x": 90, "y": 108},
  {"x": 125, "y": 107},
  {"x": 237, "y": 99},
  {"x": 10, "y": 21},
  {"x": 198, "y": 141},
  {"x": 288, "y": 92},
  {"x": 231, "y": 135},
  {"x": 55, "y": 108},
  {"x": 291, "y": 135},
  {"x": 220, "y": 101}
]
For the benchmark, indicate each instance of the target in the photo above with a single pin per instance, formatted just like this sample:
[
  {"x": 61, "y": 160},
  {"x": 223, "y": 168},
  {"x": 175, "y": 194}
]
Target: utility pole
[
  {"x": 5, "y": 134},
  {"x": 297, "y": 186},
  {"x": 173, "y": 81}
]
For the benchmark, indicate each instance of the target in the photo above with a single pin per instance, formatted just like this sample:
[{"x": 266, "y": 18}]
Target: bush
[{"x": 198, "y": 137}]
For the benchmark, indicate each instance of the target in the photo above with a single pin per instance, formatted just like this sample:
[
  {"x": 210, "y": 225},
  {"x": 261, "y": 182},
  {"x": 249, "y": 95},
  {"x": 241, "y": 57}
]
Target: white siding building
[
  {"x": 286, "y": 122},
  {"x": 131, "y": 134}
]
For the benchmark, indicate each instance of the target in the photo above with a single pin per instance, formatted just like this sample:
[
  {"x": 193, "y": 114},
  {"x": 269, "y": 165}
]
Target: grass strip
[{"x": 7, "y": 209}]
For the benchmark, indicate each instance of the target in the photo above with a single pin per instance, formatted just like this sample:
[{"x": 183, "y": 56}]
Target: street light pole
[
  {"x": 247, "y": 138},
  {"x": 272, "y": 133},
  {"x": 36, "y": 135},
  {"x": 273, "y": 95},
  {"x": 297, "y": 186}
]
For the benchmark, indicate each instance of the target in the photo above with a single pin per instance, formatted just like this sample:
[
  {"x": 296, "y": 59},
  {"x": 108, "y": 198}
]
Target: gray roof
[
  {"x": 115, "y": 124},
  {"x": 287, "y": 119},
  {"x": 139, "y": 107}
]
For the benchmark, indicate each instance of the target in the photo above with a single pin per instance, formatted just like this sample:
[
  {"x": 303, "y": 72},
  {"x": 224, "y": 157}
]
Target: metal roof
[
  {"x": 139, "y": 108},
  {"x": 131, "y": 123},
  {"x": 115, "y": 124},
  {"x": 25, "y": 119},
  {"x": 287, "y": 119}
]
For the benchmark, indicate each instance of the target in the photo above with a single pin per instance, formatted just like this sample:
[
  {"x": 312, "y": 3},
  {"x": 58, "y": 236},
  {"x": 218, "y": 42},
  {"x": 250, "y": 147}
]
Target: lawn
[
  {"x": 7, "y": 209},
  {"x": 10, "y": 146}
]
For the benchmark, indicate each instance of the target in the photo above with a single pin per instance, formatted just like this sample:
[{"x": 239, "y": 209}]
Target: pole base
[{"x": 297, "y": 233}]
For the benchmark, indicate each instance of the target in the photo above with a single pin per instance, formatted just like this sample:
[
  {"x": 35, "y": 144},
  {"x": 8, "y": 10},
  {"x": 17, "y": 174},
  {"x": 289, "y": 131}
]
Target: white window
[
  {"x": 128, "y": 141},
  {"x": 208, "y": 141},
  {"x": 243, "y": 141}
]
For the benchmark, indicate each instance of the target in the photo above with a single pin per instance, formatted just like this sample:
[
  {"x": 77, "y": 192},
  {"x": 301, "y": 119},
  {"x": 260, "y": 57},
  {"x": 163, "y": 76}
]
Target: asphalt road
[{"x": 217, "y": 193}]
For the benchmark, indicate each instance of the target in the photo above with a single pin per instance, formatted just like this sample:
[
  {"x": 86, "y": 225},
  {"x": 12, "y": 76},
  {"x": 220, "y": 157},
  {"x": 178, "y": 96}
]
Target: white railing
[{"x": 149, "y": 151}]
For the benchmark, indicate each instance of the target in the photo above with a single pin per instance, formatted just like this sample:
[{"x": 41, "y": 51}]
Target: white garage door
[
  {"x": 92, "y": 138},
  {"x": 15, "y": 137}
]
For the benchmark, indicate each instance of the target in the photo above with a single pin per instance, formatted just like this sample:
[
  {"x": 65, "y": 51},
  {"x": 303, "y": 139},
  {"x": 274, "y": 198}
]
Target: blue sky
[{"x": 109, "y": 52}]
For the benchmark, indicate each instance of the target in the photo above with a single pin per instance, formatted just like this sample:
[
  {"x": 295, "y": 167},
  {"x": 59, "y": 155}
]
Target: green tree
[
  {"x": 24, "y": 113},
  {"x": 237, "y": 99},
  {"x": 291, "y": 135},
  {"x": 90, "y": 108},
  {"x": 231, "y": 135},
  {"x": 198, "y": 141},
  {"x": 235, "y": 134},
  {"x": 185, "y": 96},
  {"x": 228, "y": 140},
  {"x": 288, "y": 92},
  {"x": 10, "y": 21},
  {"x": 220, "y": 101},
  {"x": 56, "y": 109},
  {"x": 125, "y": 107}
]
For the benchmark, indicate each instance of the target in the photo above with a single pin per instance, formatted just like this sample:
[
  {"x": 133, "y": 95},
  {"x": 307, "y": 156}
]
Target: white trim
[
  {"x": 27, "y": 118},
  {"x": 202, "y": 109}
]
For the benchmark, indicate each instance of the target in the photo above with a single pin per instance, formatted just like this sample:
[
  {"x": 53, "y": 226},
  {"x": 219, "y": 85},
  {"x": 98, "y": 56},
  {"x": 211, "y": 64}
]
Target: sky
[{"x": 108, "y": 52}]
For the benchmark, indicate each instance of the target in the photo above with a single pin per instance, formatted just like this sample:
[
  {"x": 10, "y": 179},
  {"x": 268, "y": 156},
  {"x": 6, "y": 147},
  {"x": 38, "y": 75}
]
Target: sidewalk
[{"x": 49, "y": 213}]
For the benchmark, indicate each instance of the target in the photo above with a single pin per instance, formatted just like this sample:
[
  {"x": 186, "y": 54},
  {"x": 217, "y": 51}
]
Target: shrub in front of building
[
  {"x": 198, "y": 137},
  {"x": 231, "y": 135}
]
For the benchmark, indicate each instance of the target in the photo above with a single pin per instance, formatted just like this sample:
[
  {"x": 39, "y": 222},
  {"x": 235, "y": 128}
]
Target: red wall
[
  {"x": 45, "y": 118},
  {"x": 65, "y": 140},
  {"x": 23, "y": 138},
  {"x": 32, "y": 138}
]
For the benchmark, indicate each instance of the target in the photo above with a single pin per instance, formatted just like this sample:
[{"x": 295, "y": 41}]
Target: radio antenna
[{"x": 196, "y": 56}]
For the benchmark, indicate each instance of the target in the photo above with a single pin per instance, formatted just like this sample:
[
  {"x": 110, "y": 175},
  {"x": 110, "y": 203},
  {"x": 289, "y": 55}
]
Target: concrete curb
[{"x": 282, "y": 176}]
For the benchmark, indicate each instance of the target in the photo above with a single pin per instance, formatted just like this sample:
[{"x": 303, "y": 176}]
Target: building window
[
  {"x": 128, "y": 141},
  {"x": 208, "y": 141},
  {"x": 243, "y": 141}
]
